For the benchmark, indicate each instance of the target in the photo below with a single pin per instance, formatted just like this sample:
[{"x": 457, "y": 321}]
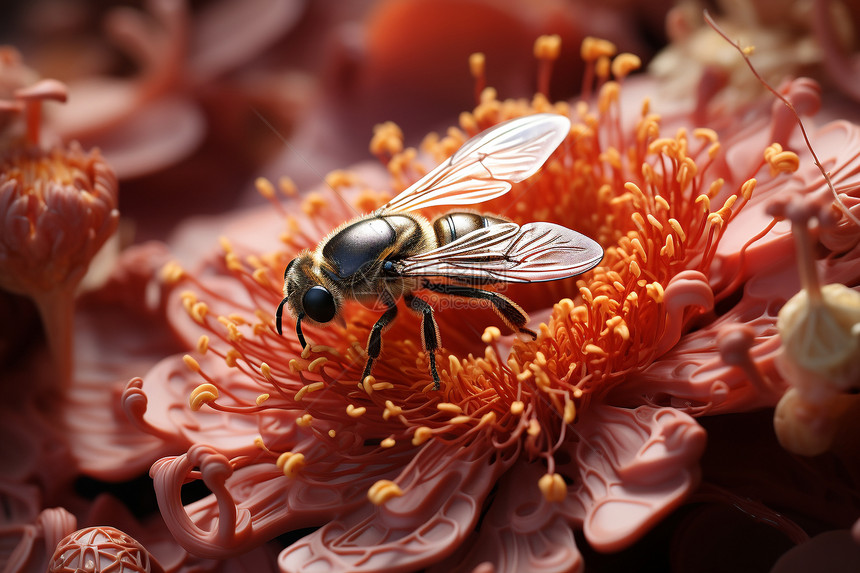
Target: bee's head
[{"x": 308, "y": 294}]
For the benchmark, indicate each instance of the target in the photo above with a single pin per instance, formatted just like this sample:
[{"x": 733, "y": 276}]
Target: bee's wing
[
  {"x": 506, "y": 252},
  {"x": 486, "y": 165}
]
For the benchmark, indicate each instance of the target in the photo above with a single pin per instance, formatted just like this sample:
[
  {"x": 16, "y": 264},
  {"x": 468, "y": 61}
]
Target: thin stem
[{"x": 57, "y": 309}]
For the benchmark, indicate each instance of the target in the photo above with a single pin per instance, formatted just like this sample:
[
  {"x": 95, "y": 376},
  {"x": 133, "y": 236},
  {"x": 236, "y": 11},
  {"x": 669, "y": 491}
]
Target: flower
[
  {"x": 58, "y": 207},
  {"x": 588, "y": 426}
]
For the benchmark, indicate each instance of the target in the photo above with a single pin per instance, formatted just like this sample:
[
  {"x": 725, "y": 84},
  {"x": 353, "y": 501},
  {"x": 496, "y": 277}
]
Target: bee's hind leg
[
  {"x": 509, "y": 311},
  {"x": 429, "y": 333},
  {"x": 374, "y": 341}
]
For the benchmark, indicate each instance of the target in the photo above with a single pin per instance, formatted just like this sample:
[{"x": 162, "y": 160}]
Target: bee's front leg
[
  {"x": 429, "y": 332},
  {"x": 374, "y": 341}
]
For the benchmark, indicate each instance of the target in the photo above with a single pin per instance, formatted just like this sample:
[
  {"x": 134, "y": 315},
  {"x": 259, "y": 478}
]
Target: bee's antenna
[
  {"x": 278, "y": 314},
  {"x": 299, "y": 330}
]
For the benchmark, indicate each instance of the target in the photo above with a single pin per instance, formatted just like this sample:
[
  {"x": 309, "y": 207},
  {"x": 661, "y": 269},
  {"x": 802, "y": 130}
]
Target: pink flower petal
[{"x": 636, "y": 467}]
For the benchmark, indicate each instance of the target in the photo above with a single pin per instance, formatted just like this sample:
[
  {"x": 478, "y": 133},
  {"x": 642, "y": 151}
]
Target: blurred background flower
[{"x": 191, "y": 102}]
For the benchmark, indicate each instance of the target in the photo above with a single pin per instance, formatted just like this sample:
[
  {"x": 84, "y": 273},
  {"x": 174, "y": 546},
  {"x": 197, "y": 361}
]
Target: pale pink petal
[
  {"x": 636, "y": 466},
  {"x": 521, "y": 530},
  {"x": 443, "y": 495}
]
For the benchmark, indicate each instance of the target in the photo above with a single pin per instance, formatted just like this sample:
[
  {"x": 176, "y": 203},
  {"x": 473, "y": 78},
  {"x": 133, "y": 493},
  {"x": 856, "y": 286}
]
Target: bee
[{"x": 394, "y": 252}]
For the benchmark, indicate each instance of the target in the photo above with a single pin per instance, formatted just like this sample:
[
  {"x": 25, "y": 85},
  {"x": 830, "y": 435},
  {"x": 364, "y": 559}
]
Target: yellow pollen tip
[
  {"x": 304, "y": 420},
  {"x": 290, "y": 463},
  {"x": 354, "y": 412},
  {"x": 382, "y": 491},
  {"x": 460, "y": 419},
  {"x": 421, "y": 435},
  {"x": 264, "y": 187},
  {"x": 172, "y": 273},
  {"x": 477, "y": 64},
  {"x": 552, "y": 487},
  {"x": 367, "y": 384},
  {"x": 593, "y": 48},
  {"x": 317, "y": 363},
  {"x": 517, "y": 407},
  {"x": 203, "y": 394},
  {"x": 332, "y": 433},
  {"x": 266, "y": 371},
  {"x": 202, "y": 344},
  {"x": 387, "y": 139},
  {"x": 491, "y": 334},
  {"x": 262, "y": 398},
  {"x": 534, "y": 428},
  {"x": 387, "y": 443},
  {"x": 191, "y": 363},
  {"x": 287, "y": 186},
  {"x": 747, "y": 189},
  {"x": 391, "y": 410},
  {"x": 547, "y": 47},
  {"x": 449, "y": 407},
  {"x": 624, "y": 64},
  {"x": 313, "y": 204}
]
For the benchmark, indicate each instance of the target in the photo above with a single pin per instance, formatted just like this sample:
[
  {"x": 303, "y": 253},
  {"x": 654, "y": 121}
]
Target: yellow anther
[
  {"x": 569, "y": 411},
  {"x": 552, "y": 487},
  {"x": 287, "y": 186},
  {"x": 382, "y": 491},
  {"x": 421, "y": 435},
  {"x": 382, "y": 385},
  {"x": 534, "y": 428},
  {"x": 387, "y": 443},
  {"x": 517, "y": 407},
  {"x": 678, "y": 230},
  {"x": 460, "y": 419},
  {"x": 655, "y": 291},
  {"x": 295, "y": 366},
  {"x": 199, "y": 311},
  {"x": 354, "y": 412},
  {"x": 367, "y": 384},
  {"x": 391, "y": 410},
  {"x": 202, "y": 344},
  {"x": 449, "y": 407},
  {"x": 262, "y": 398},
  {"x": 191, "y": 363},
  {"x": 625, "y": 63},
  {"x": 332, "y": 433},
  {"x": 304, "y": 420},
  {"x": 491, "y": 334},
  {"x": 593, "y": 48},
  {"x": 172, "y": 273},
  {"x": 264, "y": 187},
  {"x": 487, "y": 419},
  {"x": 340, "y": 178},
  {"x": 654, "y": 222},
  {"x": 231, "y": 357},
  {"x": 594, "y": 349},
  {"x": 313, "y": 204},
  {"x": 266, "y": 371},
  {"x": 707, "y": 134},
  {"x": 203, "y": 394},
  {"x": 387, "y": 139},
  {"x": 454, "y": 366},
  {"x": 290, "y": 463},
  {"x": 747, "y": 189},
  {"x": 668, "y": 250},
  {"x": 315, "y": 365},
  {"x": 634, "y": 269},
  {"x": 547, "y": 47},
  {"x": 477, "y": 64}
]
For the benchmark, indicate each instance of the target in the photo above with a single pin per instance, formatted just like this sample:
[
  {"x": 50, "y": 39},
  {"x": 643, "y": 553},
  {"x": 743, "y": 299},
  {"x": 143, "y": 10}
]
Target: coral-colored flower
[
  {"x": 587, "y": 427},
  {"x": 58, "y": 206}
]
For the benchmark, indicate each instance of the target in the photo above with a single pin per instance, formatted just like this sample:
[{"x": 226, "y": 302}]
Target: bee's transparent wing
[
  {"x": 486, "y": 165},
  {"x": 507, "y": 252}
]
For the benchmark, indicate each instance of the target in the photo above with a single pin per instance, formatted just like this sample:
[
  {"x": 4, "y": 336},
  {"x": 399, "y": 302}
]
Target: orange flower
[{"x": 563, "y": 426}]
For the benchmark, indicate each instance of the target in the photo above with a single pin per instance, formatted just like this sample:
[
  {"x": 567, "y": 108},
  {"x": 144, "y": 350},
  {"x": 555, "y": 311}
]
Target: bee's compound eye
[{"x": 319, "y": 304}]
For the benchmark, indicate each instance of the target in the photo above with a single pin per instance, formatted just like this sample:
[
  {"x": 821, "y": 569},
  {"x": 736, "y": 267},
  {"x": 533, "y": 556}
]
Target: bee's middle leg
[
  {"x": 429, "y": 332},
  {"x": 374, "y": 341}
]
